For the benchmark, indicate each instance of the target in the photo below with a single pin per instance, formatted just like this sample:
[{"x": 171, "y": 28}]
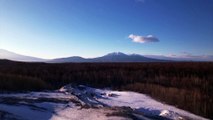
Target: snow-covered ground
[
  {"x": 85, "y": 103},
  {"x": 54, "y": 105}
]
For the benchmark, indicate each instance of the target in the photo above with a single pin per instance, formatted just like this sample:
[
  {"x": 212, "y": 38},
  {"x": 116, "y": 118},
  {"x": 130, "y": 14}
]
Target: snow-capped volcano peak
[{"x": 116, "y": 54}]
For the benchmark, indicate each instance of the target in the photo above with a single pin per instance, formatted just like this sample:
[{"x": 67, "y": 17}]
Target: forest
[{"x": 187, "y": 85}]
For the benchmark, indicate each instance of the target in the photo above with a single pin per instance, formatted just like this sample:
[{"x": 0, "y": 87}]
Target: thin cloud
[
  {"x": 143, "y": 39},
  {"x": 189, "y": 56},
  {"x": 182, "y": 57}
]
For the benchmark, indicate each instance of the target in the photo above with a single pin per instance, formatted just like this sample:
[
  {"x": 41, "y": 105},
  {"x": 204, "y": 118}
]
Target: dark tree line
[{"x": 188, "y": 85}]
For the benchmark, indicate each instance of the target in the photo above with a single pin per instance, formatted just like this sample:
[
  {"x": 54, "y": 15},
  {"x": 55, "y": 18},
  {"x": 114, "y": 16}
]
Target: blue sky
[{"x": 89, "y": 28}]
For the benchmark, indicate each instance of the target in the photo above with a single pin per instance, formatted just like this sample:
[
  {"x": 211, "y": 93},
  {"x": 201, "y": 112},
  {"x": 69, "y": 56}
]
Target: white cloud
[{"x": 143, "y": 39}]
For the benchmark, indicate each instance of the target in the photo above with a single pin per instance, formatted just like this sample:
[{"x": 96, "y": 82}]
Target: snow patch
[
  {"x": 140, "y": 103},
  {"x": 73, "y": 102}
]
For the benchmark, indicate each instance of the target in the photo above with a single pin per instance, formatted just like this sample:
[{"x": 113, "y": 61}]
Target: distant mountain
[
  {"x": 68, "y": 59},
  {"x": 4, "y": 54},
  {"x": 183, "y": 57},
  {"x": 121, "y": 57},
  {"x": 111, "y": 57}
]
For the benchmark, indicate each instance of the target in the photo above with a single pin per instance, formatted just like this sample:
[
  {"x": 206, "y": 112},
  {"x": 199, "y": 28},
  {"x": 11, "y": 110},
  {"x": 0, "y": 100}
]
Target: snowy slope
[
  {"x": 140, "y": 103},
  {"x": 49, "y": 106},
  {"x": 73, "y": 102}
]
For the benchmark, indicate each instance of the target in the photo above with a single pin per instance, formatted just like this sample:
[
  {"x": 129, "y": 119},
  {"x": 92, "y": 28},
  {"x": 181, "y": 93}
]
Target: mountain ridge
[
  {"x": 5, "y": 54},
  {"x": 110, "y": 57}
]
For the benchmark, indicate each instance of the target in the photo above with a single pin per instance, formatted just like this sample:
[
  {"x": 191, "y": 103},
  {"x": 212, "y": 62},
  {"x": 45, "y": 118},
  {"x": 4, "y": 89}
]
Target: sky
[{"x": 90, "y": 28}]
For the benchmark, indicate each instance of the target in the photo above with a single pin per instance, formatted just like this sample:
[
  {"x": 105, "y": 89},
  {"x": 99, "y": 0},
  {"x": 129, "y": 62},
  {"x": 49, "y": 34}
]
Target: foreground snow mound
[
  {"x": 140, "y": 103},
  {"x": 73, "y": 102},
  {"x": 53, "y": 105}
]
